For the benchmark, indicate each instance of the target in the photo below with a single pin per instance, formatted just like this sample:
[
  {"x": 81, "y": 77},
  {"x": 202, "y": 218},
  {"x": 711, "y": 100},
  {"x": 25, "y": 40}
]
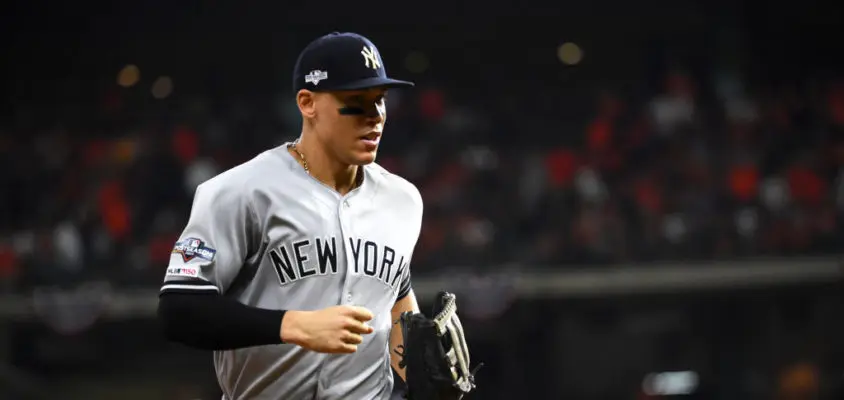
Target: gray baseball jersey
[{"x": 271, "y": 236}]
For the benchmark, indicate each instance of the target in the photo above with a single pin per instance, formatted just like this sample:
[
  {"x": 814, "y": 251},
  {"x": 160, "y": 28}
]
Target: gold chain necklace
[
  {"x": 358, "y": 176},
  {"x": 302, "y": 156}
]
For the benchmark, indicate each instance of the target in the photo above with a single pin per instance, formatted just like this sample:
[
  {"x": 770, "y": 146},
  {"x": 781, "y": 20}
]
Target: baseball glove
[{"x": 434, "y": 353}]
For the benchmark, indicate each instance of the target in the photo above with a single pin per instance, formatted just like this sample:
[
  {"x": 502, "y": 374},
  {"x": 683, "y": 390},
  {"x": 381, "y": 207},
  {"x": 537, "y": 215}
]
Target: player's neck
[{"x": 324, "y": 167}]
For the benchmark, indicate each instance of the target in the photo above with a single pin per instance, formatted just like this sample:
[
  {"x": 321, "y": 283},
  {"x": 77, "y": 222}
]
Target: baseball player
[{"x": 295, "y": 265}]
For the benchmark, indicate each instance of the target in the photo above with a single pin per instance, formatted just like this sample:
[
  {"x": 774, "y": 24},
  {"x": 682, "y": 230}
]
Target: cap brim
[{"x": 374, "y": 83}]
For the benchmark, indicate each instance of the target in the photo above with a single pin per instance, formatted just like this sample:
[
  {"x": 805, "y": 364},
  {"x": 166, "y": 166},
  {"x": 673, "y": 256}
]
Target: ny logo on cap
[
  {"x": 370, "y": 57},
  {"x": 315, "y": 76}
]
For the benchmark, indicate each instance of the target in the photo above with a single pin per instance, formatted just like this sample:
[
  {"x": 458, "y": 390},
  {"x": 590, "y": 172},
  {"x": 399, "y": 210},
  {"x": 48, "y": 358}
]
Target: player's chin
[{"x": 363, "y": 155}]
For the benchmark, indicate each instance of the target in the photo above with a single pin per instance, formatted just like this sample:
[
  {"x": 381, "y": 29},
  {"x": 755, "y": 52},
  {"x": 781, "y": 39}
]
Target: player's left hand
[{"x": 435, "y": 354}]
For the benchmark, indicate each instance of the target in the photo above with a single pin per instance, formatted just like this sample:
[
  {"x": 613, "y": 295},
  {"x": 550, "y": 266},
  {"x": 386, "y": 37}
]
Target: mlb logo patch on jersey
[
  {"x": 183, "y": 271},
  {"x": 191, "y": 248}
]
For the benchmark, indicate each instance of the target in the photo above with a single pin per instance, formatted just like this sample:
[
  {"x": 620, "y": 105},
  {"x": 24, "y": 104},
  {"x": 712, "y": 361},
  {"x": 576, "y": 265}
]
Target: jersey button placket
[{"x": 342, "y": 213}]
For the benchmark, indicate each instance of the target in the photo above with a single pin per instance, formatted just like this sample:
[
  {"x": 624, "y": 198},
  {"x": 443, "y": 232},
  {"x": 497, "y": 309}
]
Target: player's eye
[
  {"x": 360, "y": 105},
  {"x": 352, "y": 100}
]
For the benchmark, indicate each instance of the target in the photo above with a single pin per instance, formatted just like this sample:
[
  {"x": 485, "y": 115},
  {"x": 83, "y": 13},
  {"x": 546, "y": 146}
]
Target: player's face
[{"x": 352, "y": 122}]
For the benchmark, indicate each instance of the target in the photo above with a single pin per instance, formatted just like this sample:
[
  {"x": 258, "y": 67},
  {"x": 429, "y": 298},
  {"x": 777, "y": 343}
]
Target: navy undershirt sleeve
[{"x": 210, "y": 321}]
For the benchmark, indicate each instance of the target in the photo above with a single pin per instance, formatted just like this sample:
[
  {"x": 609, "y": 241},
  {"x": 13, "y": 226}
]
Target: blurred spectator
[
  {"x": 798, "y": 382},
  {"x": 685, "y": 176}
]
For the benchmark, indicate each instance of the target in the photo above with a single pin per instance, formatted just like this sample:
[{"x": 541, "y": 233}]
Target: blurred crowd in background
[
  {"x": 579, "y": 136},
  {"x": 681, "y": 174}
]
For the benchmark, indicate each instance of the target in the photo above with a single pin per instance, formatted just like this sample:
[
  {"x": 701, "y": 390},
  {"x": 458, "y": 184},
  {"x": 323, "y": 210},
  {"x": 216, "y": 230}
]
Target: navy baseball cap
[{"x": 341, "y": 61}]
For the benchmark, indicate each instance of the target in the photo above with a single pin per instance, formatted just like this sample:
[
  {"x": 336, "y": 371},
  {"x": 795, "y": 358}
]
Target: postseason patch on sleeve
[{"x": 191, "y": 248}]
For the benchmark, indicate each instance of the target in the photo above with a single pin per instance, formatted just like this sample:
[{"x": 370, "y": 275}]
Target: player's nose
[
  {"x": 377, "y": 113},
  {"x": 374, "y": 118}
]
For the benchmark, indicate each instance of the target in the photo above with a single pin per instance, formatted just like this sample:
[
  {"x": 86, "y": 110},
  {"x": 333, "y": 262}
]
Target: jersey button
[
  {"x": 346, "y": 203},
  {"x": 349, "y": 297}
]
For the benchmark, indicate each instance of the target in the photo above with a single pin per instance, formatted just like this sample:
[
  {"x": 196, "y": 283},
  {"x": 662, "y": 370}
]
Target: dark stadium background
[{"x": 632, "y": 200}]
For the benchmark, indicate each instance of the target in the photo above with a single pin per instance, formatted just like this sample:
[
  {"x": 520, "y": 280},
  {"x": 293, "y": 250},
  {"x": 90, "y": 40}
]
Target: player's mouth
[{"x": 371, "y": 140}]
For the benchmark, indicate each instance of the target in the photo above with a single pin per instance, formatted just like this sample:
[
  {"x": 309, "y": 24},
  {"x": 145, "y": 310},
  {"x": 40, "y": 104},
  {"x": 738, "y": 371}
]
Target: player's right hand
[{"x": 337, "y": 329}]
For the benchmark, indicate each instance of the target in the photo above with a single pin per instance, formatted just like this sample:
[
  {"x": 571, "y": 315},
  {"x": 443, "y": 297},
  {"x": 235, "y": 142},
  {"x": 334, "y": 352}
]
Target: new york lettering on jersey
[{"x": 318, "y": 256}]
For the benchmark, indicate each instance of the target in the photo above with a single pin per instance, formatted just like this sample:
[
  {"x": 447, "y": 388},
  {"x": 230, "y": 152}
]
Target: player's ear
[{"x": 305, "y": 100}]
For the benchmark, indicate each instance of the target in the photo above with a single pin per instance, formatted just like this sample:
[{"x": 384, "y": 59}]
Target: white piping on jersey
[{"x": 189, "y": 287}]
